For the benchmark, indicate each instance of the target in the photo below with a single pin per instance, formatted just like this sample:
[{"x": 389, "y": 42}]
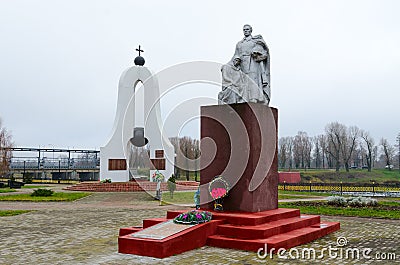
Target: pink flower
[{"x": 218, "y": 193}]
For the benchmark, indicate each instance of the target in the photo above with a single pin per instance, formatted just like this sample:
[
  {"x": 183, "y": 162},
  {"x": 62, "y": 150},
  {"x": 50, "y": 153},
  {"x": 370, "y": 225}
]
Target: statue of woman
[{"x": 237, "y": 87}]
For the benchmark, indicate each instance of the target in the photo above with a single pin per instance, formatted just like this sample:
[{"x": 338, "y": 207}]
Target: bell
[{"x": 138, "y": 139}]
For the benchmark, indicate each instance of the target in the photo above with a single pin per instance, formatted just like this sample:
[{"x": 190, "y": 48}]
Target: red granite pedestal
[{"x": 239, "y": 142}]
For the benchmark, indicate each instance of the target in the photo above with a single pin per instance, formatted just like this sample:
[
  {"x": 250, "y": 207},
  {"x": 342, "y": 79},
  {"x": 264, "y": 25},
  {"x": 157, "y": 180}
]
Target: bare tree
[
  {"x": 368, "y": 143},
  {"x": 308, "y": 146},
  {"x": 362, "y": 155},
  {"x": 318, "y": 151},
  {"x": 302, "y": 147},
  {"x": 185, "y": 144},
  {"x": 375, "y": 155},
  {"x": 298, "y": 157},
  {"x": 283, "y": 151},
  {"x": 175, "y": 142},
  {"x": 335, "y": 134},
  {"x": 196, "y": 155},
  {"x": 388, "y": 152},
  {"x": 5, "y": 152},
  {"x": 139, "y": 160},
  {"x": 290, "y": 151},
  {"x": 322, "y": 143},
  {"x": 186, "y": 159},
  {"x": 349, "y": 143}
]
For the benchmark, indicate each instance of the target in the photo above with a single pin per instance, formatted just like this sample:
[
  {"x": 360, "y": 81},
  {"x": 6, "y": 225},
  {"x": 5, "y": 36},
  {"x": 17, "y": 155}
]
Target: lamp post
[
  {"x": 341, "y": 188},
  {"x": 373, "y": 188}
]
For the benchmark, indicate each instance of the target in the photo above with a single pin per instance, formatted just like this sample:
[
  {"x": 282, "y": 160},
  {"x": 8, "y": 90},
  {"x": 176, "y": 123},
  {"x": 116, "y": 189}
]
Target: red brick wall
[
  {"x": 289, "y": 177},
  {"x": 127, "y": 186}
]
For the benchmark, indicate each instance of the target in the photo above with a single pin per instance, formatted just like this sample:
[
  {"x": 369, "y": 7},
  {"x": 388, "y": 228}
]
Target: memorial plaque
[
  {"x": 159, "y": 153},
  {"x": 161, "y": 230},
  {"x": 116, "y": 164}
]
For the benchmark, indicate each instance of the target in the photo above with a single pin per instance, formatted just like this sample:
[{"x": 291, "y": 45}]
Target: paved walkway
[{"x": 86, "y": 231}]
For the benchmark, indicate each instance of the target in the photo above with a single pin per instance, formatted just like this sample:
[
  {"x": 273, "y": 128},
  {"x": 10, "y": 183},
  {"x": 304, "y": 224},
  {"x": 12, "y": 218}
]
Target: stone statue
[{"x": 246, "y": 78}]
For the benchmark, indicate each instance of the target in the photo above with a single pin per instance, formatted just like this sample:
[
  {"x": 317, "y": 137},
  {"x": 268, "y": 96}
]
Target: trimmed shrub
[
  {"x": 27, "y": 178},
  {"x": 42, "y": 193},
  {"x": 337, "y": 200},
  {"x": 352, "y": 201},
  {"x": 361, "y": 202},
  {"x": 171, "y": 185}
]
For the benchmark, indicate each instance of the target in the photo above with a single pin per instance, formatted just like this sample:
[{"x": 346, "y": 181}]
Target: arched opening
[
  {"x": 139, "y": 161},
  {"x": 139, "y": 104}
]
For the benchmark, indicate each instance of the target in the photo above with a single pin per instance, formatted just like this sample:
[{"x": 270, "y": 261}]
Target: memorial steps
[
  {"x": 267, "y": 229},
  {"x": 279, "y": 228}
]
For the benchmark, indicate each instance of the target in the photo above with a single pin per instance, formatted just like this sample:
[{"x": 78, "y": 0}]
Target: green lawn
[
  {"x": 34, "y": 187},
  {"x": 5, "y": 190},
  {"x": 186, "y": 197},
  {"x": 286, "y": 197},
  {"x": 353, "y": 176},
  {"x": 57, "y": 196},
  {"x": 305, "y": 193},
  {"x": 391, "y": 199},
  {"x": 388, "y": 210},
  {"x": 12, "y": 212}
]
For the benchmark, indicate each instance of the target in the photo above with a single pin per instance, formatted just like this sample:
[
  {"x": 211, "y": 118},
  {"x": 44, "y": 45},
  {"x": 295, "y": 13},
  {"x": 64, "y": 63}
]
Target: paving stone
[{"x": 86, "y": 232}]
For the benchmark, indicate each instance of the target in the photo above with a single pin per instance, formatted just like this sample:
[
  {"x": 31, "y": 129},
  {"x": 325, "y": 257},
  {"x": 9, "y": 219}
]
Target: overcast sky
[{"x": 60, "y": 61}]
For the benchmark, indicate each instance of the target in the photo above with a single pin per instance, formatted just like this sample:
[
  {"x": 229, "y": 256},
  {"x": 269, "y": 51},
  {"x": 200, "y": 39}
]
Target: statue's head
[
  {"x": 236, "y": 61},
  {"x": 247, "y": 29}
]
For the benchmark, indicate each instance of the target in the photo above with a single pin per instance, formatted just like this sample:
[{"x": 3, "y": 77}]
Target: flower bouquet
[
  {"x": 158, "y": 177},
  {"x": 193, "y": 217},
  {"x": 218, "y": 189}
]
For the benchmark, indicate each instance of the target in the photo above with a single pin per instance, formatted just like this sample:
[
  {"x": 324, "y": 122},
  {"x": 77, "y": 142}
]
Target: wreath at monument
[
  {"x": 193, "y": 217},
  {"x": 218, "y": 189},
  {"x": 158, "y": 176}
]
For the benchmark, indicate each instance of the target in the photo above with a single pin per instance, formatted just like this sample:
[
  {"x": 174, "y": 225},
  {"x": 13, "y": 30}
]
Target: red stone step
[
  {"x": 241, "y": 218},
  {"x": 146, "y": 223},
  {"x": 129, "y": 230},
  {"x": 285, "y": 240},
  {"x": 267, "y": 229},
  {"x": 244, "y": 218},
  {"x": 153, "y": 221},
  {"x": 302, "y": 235}
]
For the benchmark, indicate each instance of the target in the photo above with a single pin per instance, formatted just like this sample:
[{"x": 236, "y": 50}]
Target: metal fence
[
  {"x": 341, "y": 187},
  {"x": 49, "y": 164},
  {"x": 45, "y": 181}
]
